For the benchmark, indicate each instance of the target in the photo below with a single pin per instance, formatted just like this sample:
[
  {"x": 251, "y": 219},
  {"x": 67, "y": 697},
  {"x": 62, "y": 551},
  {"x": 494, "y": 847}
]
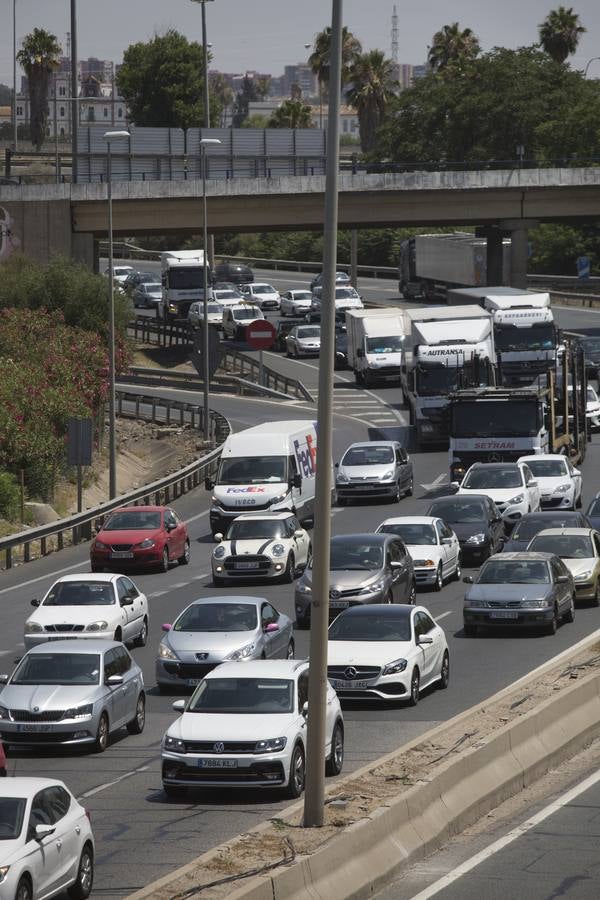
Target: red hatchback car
[{"x": 141, "y": 536}]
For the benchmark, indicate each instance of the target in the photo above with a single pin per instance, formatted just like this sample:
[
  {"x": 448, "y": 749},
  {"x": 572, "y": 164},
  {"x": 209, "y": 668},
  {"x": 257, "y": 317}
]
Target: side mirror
[
  {"x": 397, "y": 564},
  {"x": 455, "y": 485},
  {"x": 42, "y": 831},
  {"x": 4, "y": 679},
  {"x": 208, "y": 483},
  {"x": 576, "y": 472},
  {"x": 297, "y": 480},
  {"x": 532, "y": 484},
  {"x": 424, "y": 639},
  {"x": 166, "y": 626},
  {"x": 468, "y": 579},
  {"x": 179, "y": 705},
  {"x": 299, "y": 532},
  {"x": 35, "y": 602},
  {"x": 271, "y": 628},
  {"x": 171, "y": 526},
  {"x": 446, "y": 541},
  {"x": 336, "y": 466},
  {"x": 126, "y": 601},
  {"x": 218, "y": 537},
  {"x": 562, "y": 579},
  {"x": 305, "y": 709},
  {"x": 114, "y": 680},
  {"x": 497, "y": 519}
]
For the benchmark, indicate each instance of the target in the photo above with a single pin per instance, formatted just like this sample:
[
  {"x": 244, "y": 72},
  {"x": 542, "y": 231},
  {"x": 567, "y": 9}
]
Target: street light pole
[
  {"x": 585, "y": 71},
  {"x": 205, "y": 342},
  {"x": 314, "y": 800},
  {"x": 74, "y": 94},
  {"x": 110, "y": 136},
  {"x": 14, "y": 108},
  {"x": 205, "y": 63}
]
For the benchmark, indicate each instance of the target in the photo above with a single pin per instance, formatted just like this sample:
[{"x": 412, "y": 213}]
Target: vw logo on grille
[
  {"x": 334, "y": 595},
  {"x": 350, "y": 673},
  {"x": 201, "y": 656},
  {"x": 219, "y": 747}
]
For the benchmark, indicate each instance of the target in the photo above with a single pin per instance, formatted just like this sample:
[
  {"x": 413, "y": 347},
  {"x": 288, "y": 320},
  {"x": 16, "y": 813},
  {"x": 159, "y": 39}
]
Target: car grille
[
  {"x": 120, "y": 547},
  {"x": 260, "y": 773},
  {"x": 552, "y": 501},
  {"x": 32, "y": 737},
  {"x": 62, "y": 627},
  {"x": 263, "y": 564},
  {"x": 240, "y": 509},
  {"x": 514, "y": 604},
  {"x": 188, "y": 670},
  {"x": 24, "y": 715},
  {"x": 228, "y": 747},
  {"x": 362, "y": 672},
  {"x": 349, "y": 592}
]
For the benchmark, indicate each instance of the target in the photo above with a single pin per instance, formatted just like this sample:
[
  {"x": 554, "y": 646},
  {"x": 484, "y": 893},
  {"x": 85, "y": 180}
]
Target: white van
[{"x": 270, "y": 467}]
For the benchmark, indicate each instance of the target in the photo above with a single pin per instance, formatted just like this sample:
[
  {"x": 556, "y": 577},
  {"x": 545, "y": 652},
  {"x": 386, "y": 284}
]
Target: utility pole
[{"x": 74, "y": 93}]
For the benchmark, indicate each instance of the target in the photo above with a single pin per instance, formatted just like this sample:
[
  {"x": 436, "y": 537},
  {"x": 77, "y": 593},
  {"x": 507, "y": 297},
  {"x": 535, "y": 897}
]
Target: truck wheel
[{"x": 358, "y": 377}]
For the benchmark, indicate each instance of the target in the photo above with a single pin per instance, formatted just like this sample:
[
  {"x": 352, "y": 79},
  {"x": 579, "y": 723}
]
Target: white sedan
[
  {"x": 101, "y": 605},
  {"x": 559, "y": 481},
  {"x": 214, "y": 313},
  {"x": 386, "y": 652},
  {"x": 262, "y": 295},
  {"x": 265, "y": 546},
  {"x": 46, "y": 840},
  {"x": 345, "y": 298},
  {"x": 295, "y": 302},
  {"x": 432, "y": 545}
]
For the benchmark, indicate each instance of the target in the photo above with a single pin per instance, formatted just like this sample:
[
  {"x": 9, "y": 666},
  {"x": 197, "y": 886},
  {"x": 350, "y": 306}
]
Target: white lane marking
[
  {"x": 158, "y": 593},
  {"x": 6, "y": 652},
  {"x": 196, "y": 517},
  {"x": 502, "y": 842},
  {"x": 443, "y": 615},
  {"x": 23, "y": 584},
  {"x": 109, "y": 784},
  {"x": 581, "y": 309}
]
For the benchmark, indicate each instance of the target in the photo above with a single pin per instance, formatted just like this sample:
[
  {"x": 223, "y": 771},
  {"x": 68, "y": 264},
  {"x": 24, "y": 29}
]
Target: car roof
[
  {"x": 76, "y": 645},
  {"x": 269, "y": 517},
  {"x": 410, "y": 520},
  {"x": 523, "y": 556},
  {"x": 366, "y": 537},
  {"x": 494, "y": 465},
  {"x": 229, "y": 598},
  {"x": 391, "y": 610},
  {"x": 90, "y": 576},
  {"x": 376, "y": 443},
  {"x": 259, "y": 668},
  {"x": 542, "y": 514},
  {"x": 22, "y": 786},
  {"x": 535, "y": 456},
  {"x": 461, "y": 498},
  {"x": 576, "y": 532}
]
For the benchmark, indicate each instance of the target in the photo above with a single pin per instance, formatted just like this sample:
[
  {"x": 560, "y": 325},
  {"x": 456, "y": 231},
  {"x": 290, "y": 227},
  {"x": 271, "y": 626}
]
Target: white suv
[
  {"x": 245, "y": 726},
  {"x": 510, "y": 485},
  {"x": 236, "y": 318},
  {"x": 271, "y": 545}
]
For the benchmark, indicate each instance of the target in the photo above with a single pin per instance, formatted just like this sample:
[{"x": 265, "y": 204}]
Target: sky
[{"x": 265, "y": 35}]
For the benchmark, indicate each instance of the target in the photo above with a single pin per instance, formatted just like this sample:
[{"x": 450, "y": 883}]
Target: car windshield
[
  {"x": 151, "y": 287},
  {"x": 217, "y": 617},
  {"x": 12, "y": 813},
  {"x": 567, "y": 546},
  {"x": 594, "y": 509},
  {"x": 58, "y": 668},
  {"x": 482, "y": 477},
  {"x": 384, "y": 344},
  {"x": 133, "y": 520},
  {"x": 535, "y": 337},
  {"x": 214, "y": 308},
  {"x": 301, "y": 295},
  {"x": 548, "y": 468},
  {"x": 514, "y": 571},
  {"x": 368, "y": 456},
  {"x": 252, "y": 470},
  {"x": 455, "y": 511},
  {"x": 356, "y": 556},
  {"x": 80, "y": 593},
  {"x": 186, "y": 278},
  {"x": 227, "y": 295},
  {"x": 345, "y": 293},
  {"x": 243, "y": 696},
  {"x": 255, "y": 529},
  {"x": 246, "y": 312},
  {"x": 309, "y": 331},
  {"x": 376, "y": 627},
  {"x": 411, "y": 533},
  {"x": 529, "y": 527},
  {"x": 147, "y": 278},
  {"x": 263, "y": 289}
]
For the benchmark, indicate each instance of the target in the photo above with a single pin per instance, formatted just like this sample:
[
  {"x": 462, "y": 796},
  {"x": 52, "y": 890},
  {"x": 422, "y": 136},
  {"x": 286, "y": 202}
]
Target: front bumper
[
  {"x": 380, "y": 687},
  {"x": 37, "y": 734},
  {"x": 425, "y": 574},
  {"x": 585, "y": 590},
  {"x": 372, "y": 489},
  {"x": 265, "y": 568},
  {"x": 557, "y": 501},
  {"x": 139, "y": 558},
  {"x": 33, "y": 640},
  {"x": 508, "y": 617},
  {"x": 247, "y": 770},
  {"x": 473, "y": 552},
  {"x": 178, "y": 674}
]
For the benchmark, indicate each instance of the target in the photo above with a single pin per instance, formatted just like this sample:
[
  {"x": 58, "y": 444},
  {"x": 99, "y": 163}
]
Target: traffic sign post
[
  {"x": 260, "y": 335},
  {"x": 583, "y": 268}
]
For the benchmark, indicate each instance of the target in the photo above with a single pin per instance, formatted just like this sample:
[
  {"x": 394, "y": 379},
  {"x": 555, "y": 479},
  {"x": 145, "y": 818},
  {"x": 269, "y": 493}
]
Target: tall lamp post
[
  {"x": 109, "y": 137},
  {"x": 14, "y": 107},
  {"x": 205, "y": 344},
  {"x": 74, "y": 93},
  {"x": 585, "y": 71},
  {"x": 205, "y": 62}
]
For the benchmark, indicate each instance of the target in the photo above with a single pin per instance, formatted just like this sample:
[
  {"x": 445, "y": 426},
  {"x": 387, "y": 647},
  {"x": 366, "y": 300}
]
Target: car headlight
[
  {"x": 583, "y": 576},
  {"x": 424, "y": 563},
  {"x": 79, "y": 712},
  {"x": 147, "y": 544},
  {"x": 476, "y": 539},
  {"x": 535, "y": 604},
  {"x": 562, "y": 489},
  {"x": 99, "y": 545},
  {"x": 101, "y": 625},
  {"x": 219, "y": 552},
  {"x": 303, "y": 588},
  {"x": 398, "y": 665},
  {"x": 3, "y": 713},
  {"x": 343, "y": 479},
  {"x": 374, "y": 586},
  {"x": 475, "y": 604},
  {"x": 33, "y": 628},
  {"x": 387, "y": 476},
  {"x": 518, "y": 499},
  {"x": 171, "y": 743},
  {"x": 165, "y": 652},
  {"x": 4, "y": 870},
  {"x": 273, "y": 745},
  {"x": 243, "y": 653},
  {"x": 278, "y": 550}
]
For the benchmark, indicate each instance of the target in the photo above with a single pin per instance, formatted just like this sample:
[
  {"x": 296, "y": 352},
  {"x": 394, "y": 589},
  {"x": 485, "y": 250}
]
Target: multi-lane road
[{"x": 140, "y": 835}]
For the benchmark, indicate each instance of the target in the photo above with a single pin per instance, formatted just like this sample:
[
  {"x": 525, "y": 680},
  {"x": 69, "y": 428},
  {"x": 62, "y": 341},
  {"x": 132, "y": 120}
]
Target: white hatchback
[
  {"x": 432, "y": 545},
  {"x": 559, "y": 481},
  {"x": 265, "y": 546},
  {"x": 99, "y": 605},
  {"x": 295, "y": 302},
  {"x": 46, "y": 840},
  {"x": 510, "y": 485},
  {"x": 262, "y": 295}
]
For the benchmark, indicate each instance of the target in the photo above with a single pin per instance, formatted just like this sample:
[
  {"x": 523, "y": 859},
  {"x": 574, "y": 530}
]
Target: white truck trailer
[
  {"x": 375, "y": 339},
  {"x": 182, "y": 273}
]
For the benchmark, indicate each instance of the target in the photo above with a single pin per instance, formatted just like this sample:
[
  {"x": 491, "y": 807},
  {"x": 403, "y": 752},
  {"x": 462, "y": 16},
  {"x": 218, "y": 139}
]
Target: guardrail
[
  {"x": 276, "y": 381},
  {"x": 159, "y": 492}
]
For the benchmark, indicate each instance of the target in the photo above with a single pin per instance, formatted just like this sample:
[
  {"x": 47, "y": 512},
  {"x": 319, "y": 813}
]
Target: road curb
[{"x": 469, "y": 784}]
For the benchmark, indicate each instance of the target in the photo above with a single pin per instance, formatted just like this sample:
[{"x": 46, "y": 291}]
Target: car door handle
[{"x": 59, "y": 843}]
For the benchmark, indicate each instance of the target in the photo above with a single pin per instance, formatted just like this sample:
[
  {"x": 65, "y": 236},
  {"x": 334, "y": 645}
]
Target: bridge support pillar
[
  {"x": 519, "y": 249},
  {"x": 354, "y": 257}
]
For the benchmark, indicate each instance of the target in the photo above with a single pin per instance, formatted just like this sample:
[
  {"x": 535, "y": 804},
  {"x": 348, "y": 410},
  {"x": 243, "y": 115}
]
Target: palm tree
[
  {"x": 291, "y": 114},
  {"x": 560, "y": 32},
  {"x": 452, "y": 47},
  {"x": 373, "y": 84},
  {"x": 319, "y": 60},
  {"x": 39, "y": 57}
]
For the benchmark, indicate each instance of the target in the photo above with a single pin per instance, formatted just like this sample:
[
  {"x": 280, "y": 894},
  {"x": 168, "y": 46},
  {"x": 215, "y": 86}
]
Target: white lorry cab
[
  {"x": 375, "y": 339},
  {"x": 182, "y": 273},
  {"x": 270, "y": 467}
]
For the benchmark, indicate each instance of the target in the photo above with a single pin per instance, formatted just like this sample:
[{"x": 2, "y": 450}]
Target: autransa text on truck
[
  {"x": 182, "y": 273},
  {"x": 269, "y": 467}
]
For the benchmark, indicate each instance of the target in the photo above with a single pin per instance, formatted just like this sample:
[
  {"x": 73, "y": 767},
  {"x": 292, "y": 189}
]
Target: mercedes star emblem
[{"x": 350, "y": 673}]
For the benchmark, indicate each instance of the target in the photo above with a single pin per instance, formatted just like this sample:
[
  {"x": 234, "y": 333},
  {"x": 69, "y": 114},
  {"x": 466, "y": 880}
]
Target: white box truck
[
  {"x": 267, "y": 468},
  {"x": 375, "y": 339},
  {"x": 182, "y": 275},
  {"x": 444, "y": 349}
]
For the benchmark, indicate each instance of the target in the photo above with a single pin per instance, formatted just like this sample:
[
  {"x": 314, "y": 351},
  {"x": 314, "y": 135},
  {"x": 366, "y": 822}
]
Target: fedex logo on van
[
  {"x": 306, "y": 456},
  {"x": 252, "y": 489}
]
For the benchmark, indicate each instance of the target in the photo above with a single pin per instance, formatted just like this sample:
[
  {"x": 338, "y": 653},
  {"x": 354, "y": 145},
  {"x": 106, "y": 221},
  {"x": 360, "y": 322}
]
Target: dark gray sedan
[
  {"x": 528, "y": 589},
  {"x": 532, "y": 523},
  {"x": 213, "y": 630},
  {"x": 364, "y": 568}
]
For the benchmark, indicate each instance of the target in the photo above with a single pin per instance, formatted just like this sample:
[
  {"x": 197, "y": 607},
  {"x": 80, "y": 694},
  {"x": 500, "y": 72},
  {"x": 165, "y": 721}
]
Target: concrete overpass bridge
[{"x": 47, "y": 219}]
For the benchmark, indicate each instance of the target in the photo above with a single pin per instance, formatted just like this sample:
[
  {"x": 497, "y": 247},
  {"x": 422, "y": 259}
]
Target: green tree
[
  {"x": 252, "y": 89},
  {"x": 256, "y": 120},
  {"x": 560, "y": 32},
  {"x": 373, "y": 86},
  {"x": 221, "y": 92},
  {"x": 452, "y": 48},
  {"x": 291, "y": 114},
  {"x": 319, "y": 59},
  {"x": 162, "y": 82},
  {"x": 39, "y": 56}
]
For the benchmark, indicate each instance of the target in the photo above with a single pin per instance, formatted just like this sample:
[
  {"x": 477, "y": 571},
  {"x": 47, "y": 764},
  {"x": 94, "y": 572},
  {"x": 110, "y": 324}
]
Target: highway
[{"x": 140, "y": 835}]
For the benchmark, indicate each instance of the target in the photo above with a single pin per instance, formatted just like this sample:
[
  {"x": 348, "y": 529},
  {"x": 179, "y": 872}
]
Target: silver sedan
[
  {"x": 303, "y": 340},
  {"x": 213, "y": 630},
  {"x": 72, "y": 692}
]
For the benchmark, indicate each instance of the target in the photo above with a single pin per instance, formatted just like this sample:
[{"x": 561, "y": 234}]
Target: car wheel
[
  {"x": 415, "y": 685},
  {"x": 551, "y": 627},
  {"x": 290, "y": 650},
  {"x": 469, "y": 630},
  {"x": 142, "y": 637},
  {"x": 82, "y": 888},
  {"x": 335, "y": 761},
  {"x": 412, "y": 597},
  {"x": 458, "y": 570},
  {"x": 24, "y": 891},
  {"x": 297, "y": 773},
  {"x": 395, "y": 498},
  {"x": 184, "y": 560},
  {"x": 164, "y": 563},
  {"x": 439, "y": 579},
  {"x": 410, "y": 488},
  {"x": 290, "y": 569},
  {"x": 445, "y": 672},
  {"x": 569, "y": 616},
  {"x": 101, "y": 742},
  {"x": 136, "y": 726}
]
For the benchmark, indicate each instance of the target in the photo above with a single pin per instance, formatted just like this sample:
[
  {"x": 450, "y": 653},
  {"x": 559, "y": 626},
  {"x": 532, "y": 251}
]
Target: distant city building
[
  {"x": 302, "y": 75},
  {"x": 348, "y": 119}
]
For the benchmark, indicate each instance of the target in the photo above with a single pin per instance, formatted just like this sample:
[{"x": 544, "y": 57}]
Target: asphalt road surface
[{"x": 140, "y": 835}]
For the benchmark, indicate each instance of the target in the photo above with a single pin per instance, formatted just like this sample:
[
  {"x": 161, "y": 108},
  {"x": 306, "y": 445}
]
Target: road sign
[
  {"x": 260, "y": 334},
  {"x": 214, "y": 351},
  {"x": 583, "y": 267},
  {"x": 79, "y": 442}
]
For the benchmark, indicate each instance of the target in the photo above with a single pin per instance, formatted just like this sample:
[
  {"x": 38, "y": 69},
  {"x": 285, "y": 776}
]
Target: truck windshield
[
  {"x": 252, "y": 470},
  {"x": 509, "y": 338},
  {"x": 187, "y": 279},
  {"x": 433, "y": 380},
  {"x": 384, "y": 344},
  {"x": 499, "y": 418}
]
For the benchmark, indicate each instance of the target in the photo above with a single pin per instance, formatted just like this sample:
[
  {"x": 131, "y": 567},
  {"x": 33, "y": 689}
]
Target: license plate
[
  {"x": 34, "y": 728},
  {"x": 352, "y": 685},
  {"x": 246, "y": 565},
  {"x": 338, "y": 604},
  {"x": 121, "y": 554},
  {"x": 217, "y": 763},
  {"x": 64, "y": 637},
  {"x": 504, "y": 614},
  {"x": 193, "y": 682}
]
